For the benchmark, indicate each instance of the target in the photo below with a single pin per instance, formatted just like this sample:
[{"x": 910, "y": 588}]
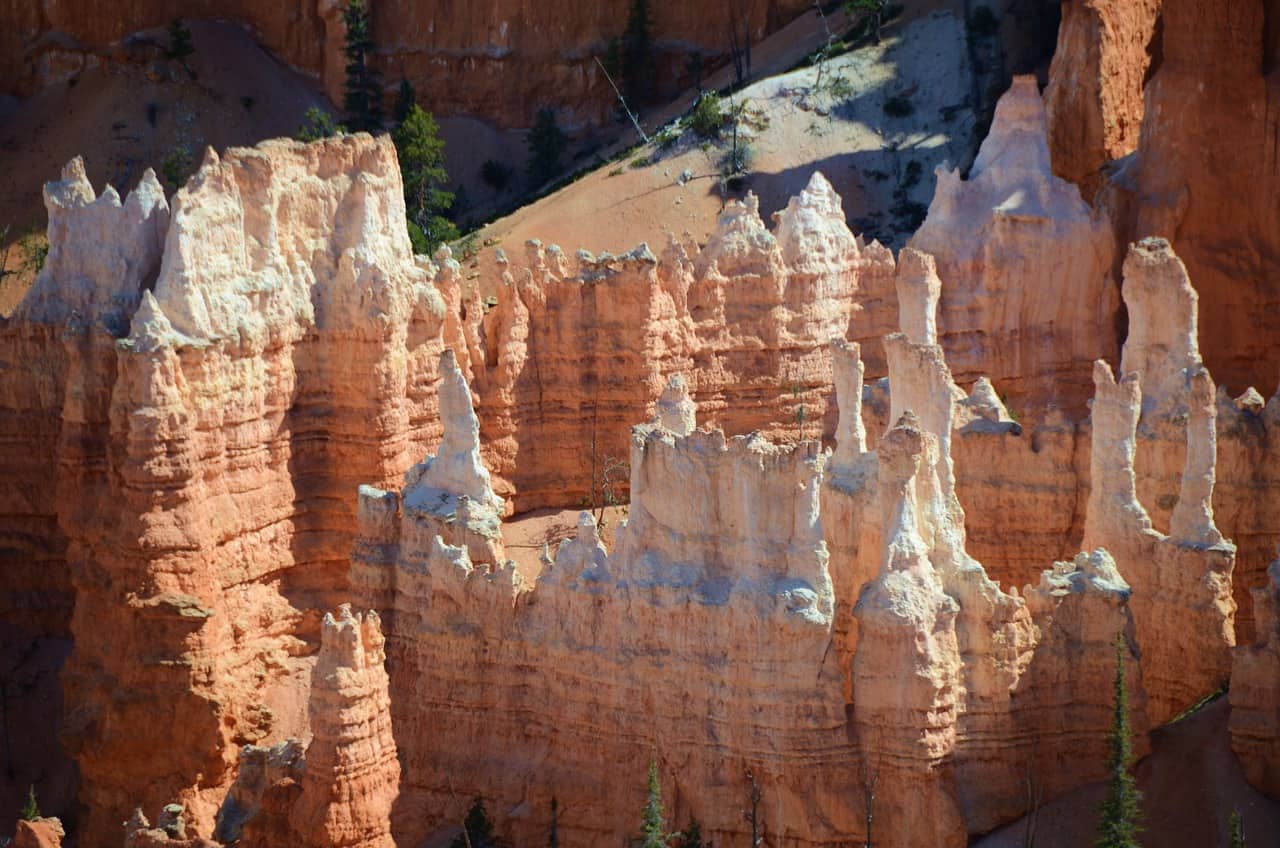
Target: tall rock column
[{"x": 352, "y": 774}]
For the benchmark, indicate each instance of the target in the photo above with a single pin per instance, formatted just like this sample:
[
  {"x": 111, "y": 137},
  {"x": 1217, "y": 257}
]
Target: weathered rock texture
[
  {"x": 740, "y": 535},
  {"x": 1094, "y": 99},
  {"x": 1255, "y": 692},
  {"x": 1206, "y": 175},
  {"x": 503, "y": 61},
  {"x": 202, "y": 419},
  {"x": 41, "y": 833},
  {"x": 1028, "y": 297},
  {"x": 568, "y": 360},
  {"x": 351, "y": 776}
]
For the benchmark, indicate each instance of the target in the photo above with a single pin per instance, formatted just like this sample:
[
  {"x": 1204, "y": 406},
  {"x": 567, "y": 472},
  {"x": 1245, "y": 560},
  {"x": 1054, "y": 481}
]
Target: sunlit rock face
[{"x": 1028, "y": 296}]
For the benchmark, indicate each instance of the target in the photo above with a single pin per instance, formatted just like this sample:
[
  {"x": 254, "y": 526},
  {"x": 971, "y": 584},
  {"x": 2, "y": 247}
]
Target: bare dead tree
[
  {"x": 615, "y": 471},
  {"x": 869, "y": 780},
  {"x": 632, "y": 115},
  {"x": 752, "y": 813}
]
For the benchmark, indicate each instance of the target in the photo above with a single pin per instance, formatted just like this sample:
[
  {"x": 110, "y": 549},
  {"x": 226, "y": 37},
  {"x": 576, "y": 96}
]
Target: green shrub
[
  {"x": 177, "y": 166},
  {"x": 496, "y": 174},
  {"x": 180, "y": 44},
  {"x": 708, "y": 116},
  {"x": 546, "y": 145},
  {"x": 318, "y": 124}
]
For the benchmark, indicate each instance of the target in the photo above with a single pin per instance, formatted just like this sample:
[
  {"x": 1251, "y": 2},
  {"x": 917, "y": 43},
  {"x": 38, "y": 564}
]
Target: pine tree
[
  {"x": 638, "y": 66},
  {"x": 692, "y": 836},
  {"x": 1237, "y": 830},
  {"x": 31, "y": 809},
  {"x": 318, "y": 124},
  {"x": 546, "y": 145},
  {"x": 362, "y": 97},
  {"x": 406, "y": 97},
  {"x": 653, "y": 826},
  {"x": 180, "y": 44},
  {"x": 427, "y": 204},
  {"x": 479, "y": 830},
  {"x": 1119, "y": 825}
]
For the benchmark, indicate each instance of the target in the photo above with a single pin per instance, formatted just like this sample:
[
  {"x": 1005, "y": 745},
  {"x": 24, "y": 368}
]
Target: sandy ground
[
  {"x": 1190, "y": 784},
  {"x": 865, "y": 151}
]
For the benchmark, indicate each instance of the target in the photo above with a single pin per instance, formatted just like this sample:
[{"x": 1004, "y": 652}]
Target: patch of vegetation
[
  {"x": 405, "y": 98},
  {"x": 31, "y": 809},
  {"x": 35, "y": 250},
  {"x": 708, "y": 116},
  {"x": 478, "y": 829},
  {"x": 362, "y": 95},
  {"x": 666, "y": 136},
  {"x": 247, "y": 102},
  {"x": 640, "y": 162},
  {"x": 496, "y": 174},
  {"x": 427, "y": 204},
  {"x": 839, "y": 87},
  {"x": 180, "y": 43},
  {"x": 983, "y": 23},
  {"x": 177, "y": 166},
  {"x": 636, "y": 58},
  {"x": 1119, "y": 827},
  {"x": 546, "y": 145},
  {"x": 899, "y": 106},
  {"x": 616, "y": 172},
  {"x": 877, "y": 175},
  {"x": 318, "y": 124}
]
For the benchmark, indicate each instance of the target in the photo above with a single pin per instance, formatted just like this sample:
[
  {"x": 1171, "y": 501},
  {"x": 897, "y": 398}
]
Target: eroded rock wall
[{"x": 502, "y": 61}]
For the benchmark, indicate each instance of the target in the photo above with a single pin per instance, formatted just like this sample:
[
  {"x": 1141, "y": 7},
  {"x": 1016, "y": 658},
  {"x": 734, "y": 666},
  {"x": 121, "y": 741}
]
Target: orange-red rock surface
[
  {"x": 1095, "y": 93},
  {"x": 216, "y": 411},
  {"x": 41, "y": 833},
  {"x": 500, "y": 61}
]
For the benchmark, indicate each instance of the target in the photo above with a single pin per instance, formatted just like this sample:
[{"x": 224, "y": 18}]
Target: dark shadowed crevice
[{"x": 1155, "y": 51}]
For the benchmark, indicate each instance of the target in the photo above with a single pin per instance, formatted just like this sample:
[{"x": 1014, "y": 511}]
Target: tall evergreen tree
[
  {"x": 553, "y": 832},
  {"x": 406, "y": 97},
  {"x": 692, "y": 836},
  {"x": 479, "y": 830},
  {"x": 653, "y": 825},
  {"x": 1237, "y": 830},
  {"x": 427, "y": 203},
  {"x": 638, "y": 66},
  {"x": 1119, "y": 825},
  {"x": 362, "y": 97},
  {"x": 546, "y": 144},
  {"x": 180, "y": 43}
]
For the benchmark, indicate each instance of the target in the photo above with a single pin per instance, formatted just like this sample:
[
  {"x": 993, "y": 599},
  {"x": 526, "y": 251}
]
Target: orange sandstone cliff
[{"x": 499, "y": 61}]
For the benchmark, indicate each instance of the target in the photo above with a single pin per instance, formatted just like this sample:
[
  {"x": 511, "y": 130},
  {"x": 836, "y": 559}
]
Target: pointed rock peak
[
  {"x": 110, "y": 196},
  {"x": 1018, "y": 140},
  {"x": 1250, "y": 401},
  {"x": 919, "y": 289},
  {"x": 461, "y": 426},
  {"x": 74, "y": 189},
  {"x": 147, "y": 195},
  {"x": 984, "y": 402},
  {"x": 151, "y": 330},
  {"x": 819, "y": 196},
  {"x": 588, "y": 532},
  {"x": 676, "y": 410}
]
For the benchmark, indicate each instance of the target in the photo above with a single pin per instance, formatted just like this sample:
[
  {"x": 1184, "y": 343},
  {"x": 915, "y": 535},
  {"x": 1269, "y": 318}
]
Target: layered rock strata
[
  {"x": 196, "y": 421},
  {"x": 739, "y": 535},
  {"x": 351, "y": 776}
]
